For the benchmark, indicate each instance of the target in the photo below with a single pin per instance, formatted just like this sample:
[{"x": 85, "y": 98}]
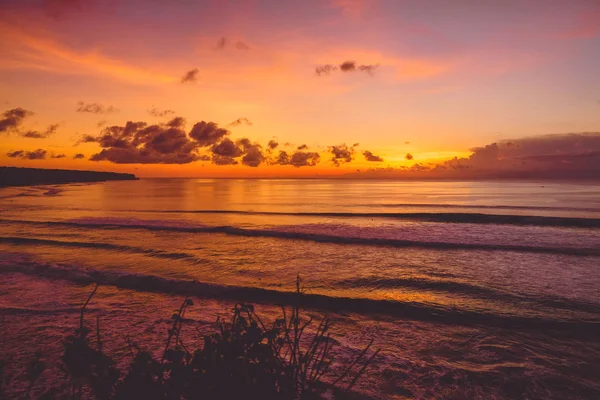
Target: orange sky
[{"x": 416, "y": 84}]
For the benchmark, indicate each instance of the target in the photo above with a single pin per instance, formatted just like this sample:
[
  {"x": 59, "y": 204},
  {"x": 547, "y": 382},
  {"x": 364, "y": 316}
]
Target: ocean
[{"x": 482, "y": 290}]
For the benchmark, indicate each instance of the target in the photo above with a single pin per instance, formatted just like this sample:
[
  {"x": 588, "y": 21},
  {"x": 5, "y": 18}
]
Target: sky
[{"x": 311, "y": 88}]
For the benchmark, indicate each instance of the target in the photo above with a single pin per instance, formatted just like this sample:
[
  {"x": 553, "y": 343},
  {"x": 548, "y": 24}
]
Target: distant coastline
[{"x": 16, "y": 176}]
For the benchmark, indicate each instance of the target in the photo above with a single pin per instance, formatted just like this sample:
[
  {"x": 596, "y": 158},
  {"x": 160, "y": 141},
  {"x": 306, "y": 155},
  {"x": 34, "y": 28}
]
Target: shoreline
[{"x": 18, "y": 176}]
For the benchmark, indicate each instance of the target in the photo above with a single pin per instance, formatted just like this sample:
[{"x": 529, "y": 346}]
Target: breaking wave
[{"x": 151, "y": 283}]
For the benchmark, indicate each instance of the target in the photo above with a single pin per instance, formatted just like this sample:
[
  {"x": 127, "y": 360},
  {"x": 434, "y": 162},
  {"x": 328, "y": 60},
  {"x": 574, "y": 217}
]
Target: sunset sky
[{"x": 271, "y": 88}]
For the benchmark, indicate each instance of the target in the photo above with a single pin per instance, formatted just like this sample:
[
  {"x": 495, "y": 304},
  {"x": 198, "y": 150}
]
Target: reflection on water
[{"x": 434, "y": 291}]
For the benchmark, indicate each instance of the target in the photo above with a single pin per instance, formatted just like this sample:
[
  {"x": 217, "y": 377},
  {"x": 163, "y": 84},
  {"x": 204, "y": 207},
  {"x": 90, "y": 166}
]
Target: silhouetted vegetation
[{"x": 243, "y": 358}]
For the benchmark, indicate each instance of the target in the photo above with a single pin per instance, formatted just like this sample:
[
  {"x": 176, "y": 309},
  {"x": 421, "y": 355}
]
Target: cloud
[
  {"x": 346, "y": 66},
  {"x": 12, "y": 119},
  {"x": 34, "y": 48},
  {"x": 38, "y": 154},
  {"x": 95, "y": 108},
  {"x": 223, "y": 160},
  {"x": 15, "y": 154},
  {"x": 298, "y": 159},
  {"x": 369, "y": 69},
  {"x": 240, "y": 121},
  {"x": 223, "y": 42},
  {"x": 371, "y": 157},
  {"x": 302, "y": 147},
  {"x": 559, "y": 156},
  {"x": 166, "y": 143},
  {"x": 100, "y": 124},
  {"x": 325, "y": 69},
  {"x": 253, "y": 156},
  {"x": 155, "y": 112},
  {"x": 78, "y": 156},
  {"x": 190, "y": 76},
  {"x": 57, "y": 156},
  {"x": 41, "y": 135},
  {"x": 86, "y": 139},
  {"x": 304, "y": 159},
  {"x": 272, "y": 145},
  {"x": 408, "y": 156},
  {"x": 227, "y": 148},
  {"x": 341, "y": 154},
  {"x": 207, "y": 133}
]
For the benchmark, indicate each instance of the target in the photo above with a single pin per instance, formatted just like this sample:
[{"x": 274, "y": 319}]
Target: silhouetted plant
[
  {"x": 86, "y": 365},
  {"x": 244, "y": 358}
]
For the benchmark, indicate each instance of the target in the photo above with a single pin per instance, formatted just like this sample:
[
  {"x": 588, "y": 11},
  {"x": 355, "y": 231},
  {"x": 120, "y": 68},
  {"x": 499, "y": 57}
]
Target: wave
[
  {"x": 181, "y": 226},
  {"x": 458, "y": 288},
  {"x": 441, "y": 217},
  {"x": 104, "y": 246},
  {"x": 483, "y": 207},
  {"x": 152, "y": 283},
  {"x": 456, "y": 218}
]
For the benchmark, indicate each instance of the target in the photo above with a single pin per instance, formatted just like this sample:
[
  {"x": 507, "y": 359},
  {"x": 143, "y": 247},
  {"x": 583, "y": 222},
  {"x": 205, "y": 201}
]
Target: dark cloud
[
  {"x": 78, "y": 156},
  {"x": 297, "y": 159},
  {"x": 346, "y": 66},
  {"x": 406, "y": 142},
  {"x": 560, "y": 156},
  {"x": 57, "y": 156},
  {"x": 190, "y": 76},
  {"x": 38, "y": 154},
  {"x": 272, "y": 145},
  {"x": 282, "y": 159},
  {"x": 41, "y": 135},
  {"x": 371, "y": 157},
  {"x": 356, "y": 145},
  {"x": 253, "y": 156},
  {"x": 177, "y": 122},
  {"x": 244, "y": 143},
  {"x": 86, "y": 139},
  {"x": 408, "y": 156},
  {"x": 12, "y": 119},
  {"x": 341, "y": 154},
  {"x": 302, "y": 147},
  {"x": 304, "y": 159},
  {"x": 223, "y": 160},
  {"x": 100, "y": 124},
  {"x": 95, "y": 108},
  {"x": 227, "y": 148},
  {"x": 240, "y": 121},
  {"x": 155, "y": 112},
  {"x": 207, "y": 133},
  {"x": 166, "y": 143},
  {"x": 15, "y": 154}
]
